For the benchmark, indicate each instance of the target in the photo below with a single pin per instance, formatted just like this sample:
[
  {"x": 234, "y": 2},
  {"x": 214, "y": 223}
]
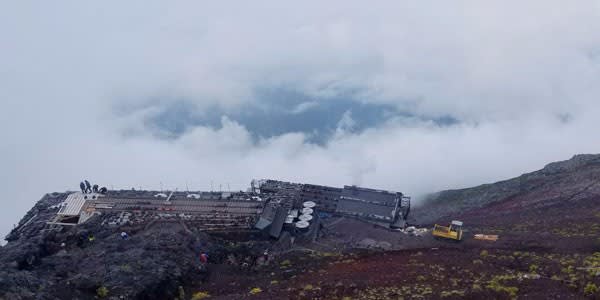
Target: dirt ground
[{"x": 554, "y": 254}]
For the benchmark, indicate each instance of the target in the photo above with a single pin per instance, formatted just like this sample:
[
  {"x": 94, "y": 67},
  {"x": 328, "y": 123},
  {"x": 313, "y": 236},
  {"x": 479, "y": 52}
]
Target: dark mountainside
[
  {"x": 570, "y": 180},
  {"x": 548, "y": 223},
  {"x": 557, "y": 184}
]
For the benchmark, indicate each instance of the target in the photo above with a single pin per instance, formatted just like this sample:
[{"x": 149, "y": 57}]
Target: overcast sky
[{"x": 402, "y": 95}]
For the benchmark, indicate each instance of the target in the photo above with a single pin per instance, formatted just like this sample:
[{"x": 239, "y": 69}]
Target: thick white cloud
[{"x": 523, "y": 79}]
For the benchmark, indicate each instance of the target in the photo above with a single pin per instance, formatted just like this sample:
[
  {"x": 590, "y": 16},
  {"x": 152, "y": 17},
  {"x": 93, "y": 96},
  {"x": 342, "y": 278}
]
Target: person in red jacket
[{"x": 204, "y": 258}]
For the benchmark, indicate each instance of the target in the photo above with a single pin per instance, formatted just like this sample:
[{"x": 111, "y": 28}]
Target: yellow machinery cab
[{"x": 453, "y": 232}]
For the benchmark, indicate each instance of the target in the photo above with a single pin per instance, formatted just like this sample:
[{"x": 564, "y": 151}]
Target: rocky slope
[
  {"x": 156, "y": 262},
  {"x": 549, "y": 247},
  {"x": 558, "y": 183}
]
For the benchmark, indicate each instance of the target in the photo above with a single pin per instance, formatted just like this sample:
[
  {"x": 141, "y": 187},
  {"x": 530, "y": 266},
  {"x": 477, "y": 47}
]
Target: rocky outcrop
[
  {"x": 152, "y": 263},
  {"x": 66, "y": 264}
]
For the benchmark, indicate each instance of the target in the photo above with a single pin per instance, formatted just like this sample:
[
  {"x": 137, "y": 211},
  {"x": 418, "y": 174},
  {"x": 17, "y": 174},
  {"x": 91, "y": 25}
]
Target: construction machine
[{"x": 453, "y": 232}]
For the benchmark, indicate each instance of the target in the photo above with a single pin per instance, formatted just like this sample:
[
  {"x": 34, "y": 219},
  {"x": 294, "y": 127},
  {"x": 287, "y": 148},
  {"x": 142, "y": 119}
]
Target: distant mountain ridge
[{"x": 569, "y": 180}]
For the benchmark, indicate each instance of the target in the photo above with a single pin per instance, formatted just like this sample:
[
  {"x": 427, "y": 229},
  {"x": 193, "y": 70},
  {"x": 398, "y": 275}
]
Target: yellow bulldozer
[{"x": 452, "y": 232}]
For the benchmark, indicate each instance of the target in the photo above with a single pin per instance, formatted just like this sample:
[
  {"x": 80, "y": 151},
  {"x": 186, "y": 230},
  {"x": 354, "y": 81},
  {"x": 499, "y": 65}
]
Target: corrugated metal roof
[
  {"x": 365, "y": 209},
  {"x": 370, "y": 195},
  {"x": 74, "y": 203},
  {"x": 368, "y": 203}
]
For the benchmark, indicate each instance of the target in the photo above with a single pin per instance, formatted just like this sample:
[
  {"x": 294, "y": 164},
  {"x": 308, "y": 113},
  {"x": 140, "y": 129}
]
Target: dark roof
[
  {"x": 370, "y": 195},
  {"x": 278, "y": 221},
  {"x": 368, "y": 203},
  {"x": 366, "y": 210},
  {"x": 325, "y": 197}
]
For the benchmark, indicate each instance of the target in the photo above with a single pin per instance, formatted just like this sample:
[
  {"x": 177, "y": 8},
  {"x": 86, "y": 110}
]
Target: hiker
[
  {"x": 203, "y": 262},
  {"x": 204, "y": 258},
  {"x": 82, "y": 187},
  {"x": 88, "y": 186},
  {"x": 124, "y": 235},
  {"x": 91, "y": 238}
]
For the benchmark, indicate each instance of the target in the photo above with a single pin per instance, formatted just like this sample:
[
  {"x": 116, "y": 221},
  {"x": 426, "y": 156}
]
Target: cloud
[
  {"x": 304, "y": 107},
  {"x": 437, "y": 95},
  {"x": 345, "y": 125}
]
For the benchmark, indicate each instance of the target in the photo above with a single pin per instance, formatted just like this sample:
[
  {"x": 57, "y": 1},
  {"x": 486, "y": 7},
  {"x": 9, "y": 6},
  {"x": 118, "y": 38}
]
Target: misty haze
[{"x": 309, "y": 150}]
